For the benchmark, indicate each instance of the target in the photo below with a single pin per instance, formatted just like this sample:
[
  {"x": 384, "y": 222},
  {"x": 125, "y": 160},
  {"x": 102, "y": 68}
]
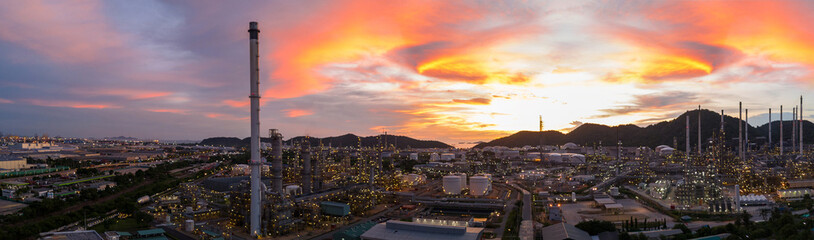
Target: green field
[{"x": 81, "y": 180}]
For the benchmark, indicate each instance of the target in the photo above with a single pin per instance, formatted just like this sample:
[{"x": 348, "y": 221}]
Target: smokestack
[
  {"x": 770, "y": 128},
  {"x": 276, "y": 161},
  {"x": 305, "y": 152},
  {"x": 722, "y": 121},
  {"x": 801, "y": 125},
  {"x": 256, "y": 160},
  {"x": 699, "y": 130},
  {"x": 793, "y": 129},
  {"x": 541, "y": 136},
  {"x": 781, "y": 130},
  {"x": 740, "y": 130},
  {"x": 687, "y": 140},
  {"x": 746, "y": 132}
]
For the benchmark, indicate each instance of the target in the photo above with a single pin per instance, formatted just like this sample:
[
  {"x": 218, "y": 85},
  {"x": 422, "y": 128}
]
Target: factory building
[
  {"x": 794, "y": 193},
  {"x": 12, "y": 163},
  {"x": 446, "y": 220},
  {"x": 564, "y": 231},
  {"x": 335, "y": 208},
  {"x": 416, "y": 231}
]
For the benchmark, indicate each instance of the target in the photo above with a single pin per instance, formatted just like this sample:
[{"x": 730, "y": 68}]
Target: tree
[
  {"x": 764, "y": 212},
  {"x": 595, "y": 227},
  {"x": 807, "y": 202},
  {"x": 641, "y": 236},
  {"x": 142, "y": 217},
  {"x": 745, "y": 218},
  {"x": 387, "y": 165},
  {"x": 683, "y": 228}
]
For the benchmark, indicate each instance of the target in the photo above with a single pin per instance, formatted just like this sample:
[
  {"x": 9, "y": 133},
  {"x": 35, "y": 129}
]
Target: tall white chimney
[
  {"x": 781, "y": 130},
  {"x": 770, "y": 128},
  {"x": 256, "y": 159},
  {"x": 801, "y": 125},
  {"x": 746, "y": 132},
  {"x": 793, "y": 129}
]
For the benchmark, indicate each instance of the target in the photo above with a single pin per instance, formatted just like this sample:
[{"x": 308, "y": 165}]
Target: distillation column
[
  {"x": 305, "y": 152},
  {"x": 276, "y": 161}
]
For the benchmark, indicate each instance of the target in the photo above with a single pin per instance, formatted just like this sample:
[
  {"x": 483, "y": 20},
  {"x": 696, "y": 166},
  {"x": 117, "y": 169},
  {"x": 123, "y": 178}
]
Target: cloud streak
[{"x": 453, "y": 71}]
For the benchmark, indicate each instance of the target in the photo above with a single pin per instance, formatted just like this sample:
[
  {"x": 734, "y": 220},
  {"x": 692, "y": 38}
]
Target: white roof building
[
  {"x": 564, "y": 231},
  {"x": 398, "y": 230}
]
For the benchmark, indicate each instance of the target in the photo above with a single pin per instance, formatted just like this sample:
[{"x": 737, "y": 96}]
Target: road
[
  {"x": 600, "y": 186},
  {"x": 527, "y": 225},
  {"x": 509, "y": 207},
  {"x": 526, "y": 201}
]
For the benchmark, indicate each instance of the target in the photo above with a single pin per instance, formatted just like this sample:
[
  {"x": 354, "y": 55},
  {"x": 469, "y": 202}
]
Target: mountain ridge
[
  {"x": 661, "y": 133},
  {"x": 336, "y": 141}
]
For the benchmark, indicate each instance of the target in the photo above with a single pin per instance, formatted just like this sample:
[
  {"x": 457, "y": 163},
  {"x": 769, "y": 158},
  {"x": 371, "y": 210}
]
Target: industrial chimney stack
[
  {"x": 699, "y": 130},
  {"x": 256, "y": 159},
  {"x": 793, "y": 130},
  {"x": 740, "y": 130},
  {"x": 722, "y": 121},
  {"x": 687, "y": 139}
]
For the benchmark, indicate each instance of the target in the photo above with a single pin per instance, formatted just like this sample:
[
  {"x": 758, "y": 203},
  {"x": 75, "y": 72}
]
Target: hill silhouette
[
  {"x": 661, "y": 133},
  {"x": 336, "y": 141}
]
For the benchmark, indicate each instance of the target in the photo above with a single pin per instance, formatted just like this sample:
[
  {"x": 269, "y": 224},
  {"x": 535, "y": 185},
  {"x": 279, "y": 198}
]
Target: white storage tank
[
  {"x": 577, "y": 158},
  {"x": 554, "y": 157},
  {"x": 240, "y": 169},
  {"x": 413, "y": 179},
  {"x": 452, "y": 184},
  {"x": 293, "y": 190},
  {"x": 434, "y": 157},
  {"x": 463, "y": 180},
  {"x": 189, "y": 225},
  {"x": 488, "y": 176},
  {"x": 143, "y": 199},
  {"x": 479, "y": 185},
  {"x": 614, "y": 191}
]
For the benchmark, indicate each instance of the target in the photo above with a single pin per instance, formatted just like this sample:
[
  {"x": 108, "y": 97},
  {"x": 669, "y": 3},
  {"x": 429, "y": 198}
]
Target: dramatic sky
[{"x": 453, "y": 71}]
